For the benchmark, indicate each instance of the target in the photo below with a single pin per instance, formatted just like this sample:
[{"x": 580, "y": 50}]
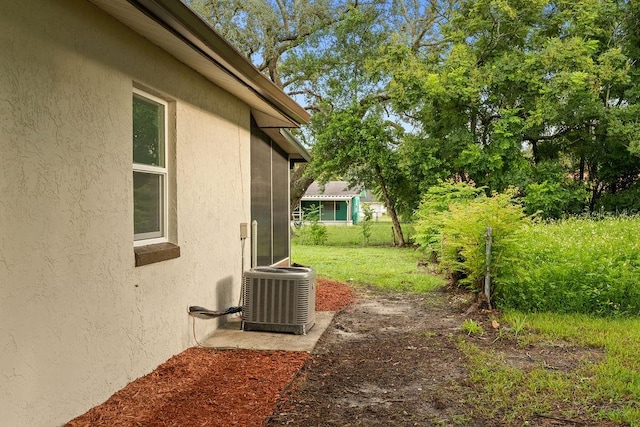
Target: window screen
[{"x": 269, "y": 198}]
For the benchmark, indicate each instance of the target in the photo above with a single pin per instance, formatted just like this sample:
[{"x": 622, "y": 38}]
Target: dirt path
[
  {"x": 386, "y": 360},
  {"x": 394, "y": 360}
]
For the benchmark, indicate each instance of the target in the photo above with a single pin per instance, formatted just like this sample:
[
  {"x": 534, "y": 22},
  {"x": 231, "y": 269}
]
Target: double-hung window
[{"x": 150, "y": 197}]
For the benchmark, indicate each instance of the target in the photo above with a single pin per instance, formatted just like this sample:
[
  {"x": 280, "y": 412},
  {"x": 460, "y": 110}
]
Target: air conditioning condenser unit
[{"x": 279, "y": 299}]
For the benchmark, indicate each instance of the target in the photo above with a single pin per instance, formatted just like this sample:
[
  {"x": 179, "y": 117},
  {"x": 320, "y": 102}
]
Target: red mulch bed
[
  {"x": 332, "y": 295},
  {"x": 203, "y": 387}
]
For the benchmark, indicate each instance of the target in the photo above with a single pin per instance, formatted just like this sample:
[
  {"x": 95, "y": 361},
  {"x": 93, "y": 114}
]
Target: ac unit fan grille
[{"x": 278, "y": 304}]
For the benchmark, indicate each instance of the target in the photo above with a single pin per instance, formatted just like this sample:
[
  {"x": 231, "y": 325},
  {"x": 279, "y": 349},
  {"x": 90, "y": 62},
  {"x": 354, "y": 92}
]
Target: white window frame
[{"x": 143, "y": 239}]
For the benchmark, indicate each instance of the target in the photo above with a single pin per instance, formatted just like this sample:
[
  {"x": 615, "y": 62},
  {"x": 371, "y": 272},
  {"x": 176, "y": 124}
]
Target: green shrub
[
  {"x": 554, "y": 199},
  {"x": 624, "y": 201},
  {"x": 578, "y": 265},
  {"x": 318, "y": 233},
  {"x": 312, "y": 231},
  {"x": 552, "y": 193},
  {"x": 463, "y": 240},
  {"x": 435, "y": 206},
  {"x": 366, "y": 223}
]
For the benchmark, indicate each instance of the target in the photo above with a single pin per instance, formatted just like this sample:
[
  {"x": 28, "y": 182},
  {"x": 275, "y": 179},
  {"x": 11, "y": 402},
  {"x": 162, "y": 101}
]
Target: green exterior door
[{"x": 341, "y": 210}]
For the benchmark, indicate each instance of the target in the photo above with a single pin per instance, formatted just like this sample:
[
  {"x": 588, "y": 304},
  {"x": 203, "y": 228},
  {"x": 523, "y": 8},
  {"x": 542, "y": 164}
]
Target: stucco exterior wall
[{"x": 78, "y": 320}]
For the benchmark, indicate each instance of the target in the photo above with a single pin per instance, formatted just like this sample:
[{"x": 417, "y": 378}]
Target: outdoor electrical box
[{"x": 244, "y": 232}]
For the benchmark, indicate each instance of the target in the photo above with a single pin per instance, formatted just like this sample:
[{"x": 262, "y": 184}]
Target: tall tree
[
  {"x": 355, "y": 138},
  {"x": 519, "y": 83},
  {"x": 271, "y": 33},
  {"x": 266, "y": 31}
]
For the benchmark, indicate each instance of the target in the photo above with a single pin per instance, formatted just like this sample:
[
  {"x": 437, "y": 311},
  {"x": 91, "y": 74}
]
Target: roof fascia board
[
  {"x": 295, "y": 143},
  {"x": 182, "y": 20},
  {"x": 192, "y": 34}
]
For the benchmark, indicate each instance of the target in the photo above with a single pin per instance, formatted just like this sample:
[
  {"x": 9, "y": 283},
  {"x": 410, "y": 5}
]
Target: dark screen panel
[
  {"x": 261, "y": 193},
  {"x": 280, "y": 198}
]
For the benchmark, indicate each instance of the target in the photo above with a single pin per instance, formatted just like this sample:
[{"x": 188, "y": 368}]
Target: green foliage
[
  {"x": 359, "y": 143},
  {"x": 472, "y": 328},
  {"x": 463, "y": 240},
  {"x": 353, "y": 135},
  {"x": 408, "y": 94},
  {"x": 626, "y": 201},
  {"x": 366, "y": 223},
  {"x": 271, "y": 34},
  {"x": 311, "y": 230},
  {"x": 582, "y": 265},
  {"x": 522, "y": 83},
  {"x": 318, "y": 233},
  {"x": 578, "y": 265},
  {"x": 553, "y": 199},
  {"x": 435, "y": 206},
  {"x": 550, "y": 192}
]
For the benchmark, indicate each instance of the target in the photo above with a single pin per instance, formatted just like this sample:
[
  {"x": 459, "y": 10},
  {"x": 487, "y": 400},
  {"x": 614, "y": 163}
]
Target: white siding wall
[{"x": 77, "y": 320}]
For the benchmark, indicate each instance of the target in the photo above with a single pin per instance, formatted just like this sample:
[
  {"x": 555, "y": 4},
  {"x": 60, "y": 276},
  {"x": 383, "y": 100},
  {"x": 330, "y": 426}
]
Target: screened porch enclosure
[{"x": 269, "y": 199}]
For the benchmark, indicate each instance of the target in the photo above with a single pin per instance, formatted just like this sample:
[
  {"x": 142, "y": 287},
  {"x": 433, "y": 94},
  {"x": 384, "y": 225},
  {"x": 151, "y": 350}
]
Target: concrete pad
[{"x": 231, "y": 335}]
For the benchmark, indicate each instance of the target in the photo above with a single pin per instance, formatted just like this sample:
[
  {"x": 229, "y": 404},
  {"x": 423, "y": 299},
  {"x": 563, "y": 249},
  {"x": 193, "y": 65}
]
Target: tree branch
[
  {"x": 285, "y": 15},
  {"x": 553, "y": 136},
  {"x": 375, "y": 98}
]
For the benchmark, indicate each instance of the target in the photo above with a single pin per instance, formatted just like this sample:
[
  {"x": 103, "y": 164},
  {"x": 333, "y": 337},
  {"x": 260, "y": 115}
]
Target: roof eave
[{"x": 189, "y": 29}]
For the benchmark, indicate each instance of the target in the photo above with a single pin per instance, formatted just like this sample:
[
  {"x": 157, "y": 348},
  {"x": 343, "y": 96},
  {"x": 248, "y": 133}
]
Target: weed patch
[{"x": 578, "y": 265}]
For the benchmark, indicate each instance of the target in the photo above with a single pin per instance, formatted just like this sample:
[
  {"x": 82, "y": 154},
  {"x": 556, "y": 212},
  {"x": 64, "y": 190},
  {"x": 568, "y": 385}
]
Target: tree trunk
[
  {"x": 300, "y": 181},
  {"x": 595, "y": 195},
  {"x": 536, "y": 153},
  {"x": 390, "y": 207}
]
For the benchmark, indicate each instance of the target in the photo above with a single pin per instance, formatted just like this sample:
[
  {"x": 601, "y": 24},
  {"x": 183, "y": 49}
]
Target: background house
[
  {"x": 136, "y": 145},
  {"x": 338, "y": 203},
  {"x": 378, "y": 207}
]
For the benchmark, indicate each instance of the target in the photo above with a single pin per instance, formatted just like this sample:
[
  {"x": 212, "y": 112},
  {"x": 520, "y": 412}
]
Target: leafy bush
[
  {"x": 578, "y": 265},
  {"x": 312, "y": 231},
  {"x": 318, "y": 233},
  {"x": 366, "y": 223},
  {"x": 553, "y": 199},
  {"x": 624, "y": 201},
  {"x": 435, "y": 206},
  {"x": 463, "y": 241}
]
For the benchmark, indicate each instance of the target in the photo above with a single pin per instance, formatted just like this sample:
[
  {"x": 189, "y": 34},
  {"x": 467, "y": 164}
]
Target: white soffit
[{"x": 271, "y": 107}]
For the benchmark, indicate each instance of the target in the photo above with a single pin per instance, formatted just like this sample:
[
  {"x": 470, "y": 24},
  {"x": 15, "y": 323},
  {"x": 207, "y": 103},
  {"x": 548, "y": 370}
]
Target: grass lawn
[
  {"x": 338, "y": 235},
  {"x": 611, "y": 383},
  {"x": 617, "y": 378},
  {"x": 607, "y": 389},
  {"x": 390, "y": 268}
]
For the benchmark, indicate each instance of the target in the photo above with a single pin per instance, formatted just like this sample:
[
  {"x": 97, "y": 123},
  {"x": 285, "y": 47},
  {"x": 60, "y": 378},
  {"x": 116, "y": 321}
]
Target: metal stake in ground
[{"x": 487, "y": 275}]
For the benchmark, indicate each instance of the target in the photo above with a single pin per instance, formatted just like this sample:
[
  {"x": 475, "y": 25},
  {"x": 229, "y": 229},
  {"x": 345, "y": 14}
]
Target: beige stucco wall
[{"x": 77, "y": 320}]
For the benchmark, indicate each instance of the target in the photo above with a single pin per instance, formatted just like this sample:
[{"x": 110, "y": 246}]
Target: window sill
[{"x": 159, "y": 252}]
